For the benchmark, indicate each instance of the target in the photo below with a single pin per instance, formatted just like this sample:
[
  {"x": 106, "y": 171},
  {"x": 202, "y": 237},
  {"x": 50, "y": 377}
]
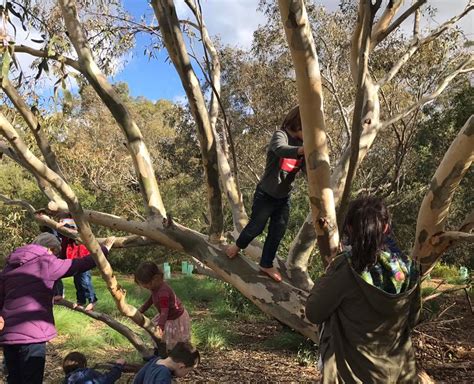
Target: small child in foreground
[
  {"x": 76, "y": 371},
  {"x": 181, "y": 360},
  {"x": 173, "y": 318}
]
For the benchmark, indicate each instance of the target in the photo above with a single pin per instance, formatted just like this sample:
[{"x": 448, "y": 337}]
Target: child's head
[
  {"x": 148, "y": 275},
  {"x": 185, "y": 358},
  {"x": 73, "y": 361},
  {"x": 292, "y": 122},
  {"x": 367, "y": 221}
]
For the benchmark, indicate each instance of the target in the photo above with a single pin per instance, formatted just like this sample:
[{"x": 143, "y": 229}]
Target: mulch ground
[{"x": 444, "y": 349}]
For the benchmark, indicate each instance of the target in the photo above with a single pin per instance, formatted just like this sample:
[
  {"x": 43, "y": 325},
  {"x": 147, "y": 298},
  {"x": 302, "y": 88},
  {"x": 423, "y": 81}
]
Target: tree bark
[
  {"x": 227, "y": 177},
  {"x": 310, "y": 98},
  {"x": 280, "y": 300},
  {"x": 429, "y": 244},
  {"x": 135, "y": 144},
  {"x": 171, "y": 33}
]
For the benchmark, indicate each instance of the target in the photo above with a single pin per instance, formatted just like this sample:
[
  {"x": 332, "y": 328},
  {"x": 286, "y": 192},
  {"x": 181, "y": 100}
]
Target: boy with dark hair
[
  {"x": 182, "y": 359},
  {"x": 75, "y": 368}
]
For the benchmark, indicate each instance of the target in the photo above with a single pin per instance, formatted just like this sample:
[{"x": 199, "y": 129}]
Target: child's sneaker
[{"x": 78, "y": 306}]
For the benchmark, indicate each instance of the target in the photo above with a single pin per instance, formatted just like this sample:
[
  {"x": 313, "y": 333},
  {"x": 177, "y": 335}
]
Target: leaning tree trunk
[
  {"x": 280, "y": 300},
  {"x": 431, "y": 240}
]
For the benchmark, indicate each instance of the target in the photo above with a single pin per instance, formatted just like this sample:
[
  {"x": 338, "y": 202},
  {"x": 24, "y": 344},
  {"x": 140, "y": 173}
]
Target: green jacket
[{"x": 366, "y": 333}]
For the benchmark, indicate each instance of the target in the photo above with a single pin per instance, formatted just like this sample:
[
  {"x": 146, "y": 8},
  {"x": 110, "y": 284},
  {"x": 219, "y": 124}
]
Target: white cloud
[
  {"x": 233, "y": 20},
  {"x": 236, "y": 20}
]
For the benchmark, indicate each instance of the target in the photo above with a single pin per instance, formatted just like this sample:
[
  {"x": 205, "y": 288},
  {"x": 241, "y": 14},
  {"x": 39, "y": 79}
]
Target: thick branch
[
  {"x": 310, "y": 97},
  {"x": 170, "y": 30},
  {"x": 382, "y": 33},
  {"x": 33, "y": 124},
  {"x": 229, "y": 182},
  {"x": 135, "y": 144},
  {"x": 453, "y": 236},
  {"x": 362, "y": 115},
  {"x": 125, "y": 331},
  {"x": 435, "y": 206},
  {"x": 45, "y": 187},
  {"x": 380, "y": 28}
]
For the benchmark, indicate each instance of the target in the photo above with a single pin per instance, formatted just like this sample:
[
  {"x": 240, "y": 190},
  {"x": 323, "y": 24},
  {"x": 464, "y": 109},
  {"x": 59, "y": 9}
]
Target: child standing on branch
[
  {"x": 271, "y": 201},
  {"x": 173, "y": 319},
  {"x": 368, "y": 301}
]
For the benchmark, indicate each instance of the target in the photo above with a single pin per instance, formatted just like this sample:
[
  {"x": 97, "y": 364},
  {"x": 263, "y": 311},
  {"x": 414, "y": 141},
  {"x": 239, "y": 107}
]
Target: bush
[{"x": 444, "y": 271}]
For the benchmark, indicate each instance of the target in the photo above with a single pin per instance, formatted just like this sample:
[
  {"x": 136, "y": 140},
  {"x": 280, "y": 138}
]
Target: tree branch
[
  {"x": 362, "y": 115},
  {"x": 41, "y": 53},
  {"x": 310, "y": 98},
  {"x": 121, "y": 328},
  {"x": 135, "y": 143},
  {"x": 382, "y": 33},
  {"x": 435, "y": 206},
  {"x": 44, "y": 186},
  {"x": 417, "y": 43},
  {"x": 380, "y": 28},
  {"x": 230, "y": 183},
  {"x": 462, "y": 68},
  {"x": 169, "y": 26},
  {"x": 33, "y": 124}
]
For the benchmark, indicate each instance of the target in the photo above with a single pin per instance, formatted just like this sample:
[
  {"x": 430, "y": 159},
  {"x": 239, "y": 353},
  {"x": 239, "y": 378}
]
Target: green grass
[
  {"x": 212, "y": 334},
  {"x": 211, "y": 304}
]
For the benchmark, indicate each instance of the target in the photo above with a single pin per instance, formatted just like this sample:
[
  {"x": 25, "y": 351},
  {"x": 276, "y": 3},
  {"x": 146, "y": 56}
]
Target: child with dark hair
[
  {"x": 368, "y": 301},
  {"x": 173, "y": 319},
  {"x": 181, "y": 360},
  {"x": 76, "y": 371},
  {"x": 271, "y": 201}
]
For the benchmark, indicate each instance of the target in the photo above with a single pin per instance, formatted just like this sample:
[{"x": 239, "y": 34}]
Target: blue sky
[
  {"x": 153, "y": 78},
  {"x": 234, "y": 21},
  {"x": 156, "y": 78}
]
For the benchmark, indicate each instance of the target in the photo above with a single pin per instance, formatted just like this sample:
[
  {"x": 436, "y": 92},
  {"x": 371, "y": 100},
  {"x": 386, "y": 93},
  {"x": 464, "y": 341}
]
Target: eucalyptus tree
[{"x": 72, "y": 44}]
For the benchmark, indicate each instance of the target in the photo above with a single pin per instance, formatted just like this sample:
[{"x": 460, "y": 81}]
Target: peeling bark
[
  {"x": 172, "y": 37},
  {"x": 431, "y": 240},
  {"x": 135, "y": 144},
  {"x": 310, "y": 97}
]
